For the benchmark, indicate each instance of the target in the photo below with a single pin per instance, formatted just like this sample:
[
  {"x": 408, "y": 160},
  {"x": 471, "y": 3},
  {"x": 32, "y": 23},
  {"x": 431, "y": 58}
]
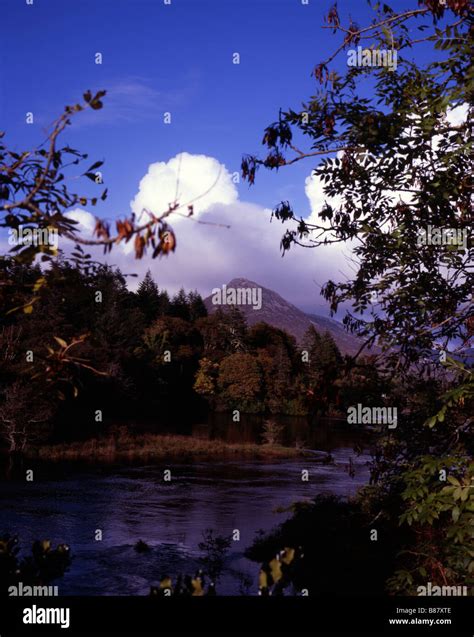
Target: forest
[{"x": 145, "y": 357}]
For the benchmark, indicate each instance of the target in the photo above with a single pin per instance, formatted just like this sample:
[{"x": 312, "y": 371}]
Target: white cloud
[
  {"x": 209, "y": 255},
  {"x": 185, "y": 178},
  {"x": 314, "y": 189},
  {"x": 86, "y": 221},
  {"x": 458, "y": 115}
]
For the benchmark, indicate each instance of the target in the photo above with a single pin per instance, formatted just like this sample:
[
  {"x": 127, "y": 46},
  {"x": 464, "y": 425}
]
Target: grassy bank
[{"x": 157, "y": 447}]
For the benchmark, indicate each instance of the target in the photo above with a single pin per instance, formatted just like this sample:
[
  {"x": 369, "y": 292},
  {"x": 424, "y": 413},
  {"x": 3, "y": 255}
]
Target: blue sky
[{"x": 175, "y": 58}]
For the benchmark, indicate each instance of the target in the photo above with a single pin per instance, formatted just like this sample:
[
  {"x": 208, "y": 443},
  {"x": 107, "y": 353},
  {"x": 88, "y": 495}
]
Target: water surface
[{"x": 68, "y": 503}]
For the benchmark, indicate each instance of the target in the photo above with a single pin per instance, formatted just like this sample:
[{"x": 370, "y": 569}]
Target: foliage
[
  {"x": 401, "y": 165},
  {"x": 35, "y": 195},
  {"x": 392, "y": 162},
  {"x": 272, "y": 432},
  {"x": 240, "y": 381},
  {"x": 133, "y": 358},
  {"x": 281, "y": 366},
  {"x": 441, "y": 514},
  {"x": 184, "y": 586},
  {"x": 35, "y": 198},
  {"x": 33, "y": 188},
  {"x": 44, "y": 565},
  {"x": 214, "y": 549},
  {"x": 151, "y": 302},
  {"x": 333, "y": 536},
  {"x": 206, "y": 378},
  {"x": 457, "y": 396},
  {"x": 361, "y": 379},
  {"x": 323, "y": 368}
]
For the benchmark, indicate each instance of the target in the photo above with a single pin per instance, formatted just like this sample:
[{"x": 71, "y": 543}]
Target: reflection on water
[
  {"x": 324, "y": 433},
  {"x": 68, "y": 503}
]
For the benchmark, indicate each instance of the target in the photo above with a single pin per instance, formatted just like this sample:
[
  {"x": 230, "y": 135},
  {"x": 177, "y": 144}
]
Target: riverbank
[{"x": 157, "y": 447}]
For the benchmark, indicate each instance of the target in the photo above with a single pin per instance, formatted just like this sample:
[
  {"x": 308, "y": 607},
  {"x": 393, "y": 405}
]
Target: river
[{"x": 69, "y": 502}]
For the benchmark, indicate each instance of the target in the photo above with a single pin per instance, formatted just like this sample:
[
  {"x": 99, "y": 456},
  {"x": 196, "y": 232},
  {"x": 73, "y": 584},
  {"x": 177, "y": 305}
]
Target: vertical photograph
[{"x": 236, "y": 316}]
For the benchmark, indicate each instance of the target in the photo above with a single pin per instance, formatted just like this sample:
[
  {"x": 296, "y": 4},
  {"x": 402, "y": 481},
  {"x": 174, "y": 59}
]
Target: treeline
[{"x": 88, "y": 352}]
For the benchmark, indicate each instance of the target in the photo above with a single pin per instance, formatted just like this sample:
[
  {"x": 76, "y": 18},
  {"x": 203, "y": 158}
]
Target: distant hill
[{"x": 276, "y": 311}]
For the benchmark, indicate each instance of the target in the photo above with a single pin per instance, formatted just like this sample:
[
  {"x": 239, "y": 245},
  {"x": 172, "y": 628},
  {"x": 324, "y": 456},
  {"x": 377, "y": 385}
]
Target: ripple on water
[{"x": 131, "y": 502}]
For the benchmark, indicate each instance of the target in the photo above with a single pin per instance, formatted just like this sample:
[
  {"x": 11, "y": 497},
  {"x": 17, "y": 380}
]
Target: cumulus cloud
[
  {"x": 186, "y": 178},
  {"x": 209, "y": 255},
  {"x": 314, "y": 186},
  {"x": 314, "y": 190},
  {"x": 457, "y": 115},
  {"x": 85, "y": 221}
]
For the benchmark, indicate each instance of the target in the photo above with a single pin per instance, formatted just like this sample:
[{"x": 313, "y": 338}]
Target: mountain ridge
[{"x": 277, "y": 311}]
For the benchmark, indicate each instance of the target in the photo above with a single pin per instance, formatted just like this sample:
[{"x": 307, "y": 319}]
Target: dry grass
[{"x": 156, "y": 447}]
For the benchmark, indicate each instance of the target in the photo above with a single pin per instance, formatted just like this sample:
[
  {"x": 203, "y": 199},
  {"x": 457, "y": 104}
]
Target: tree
[
  {"x": 330, "y": 356},
  {"x": 197, "y": 307},
  {"x": 35, "y": 198},
  {"x": 394, "y": 164},
  {"x": 402, "y": 166},
  {"x": 277, "y": 355},
  {"x": 322, "y": 369},
  {"x": 206, "y": 379},
  {"x": 179, "y": 306},
  {"x": 224, "y": 332},
  {"x": 240, "y": 382},
  {"x": 362, "y": 379},
  {"x": 34, "y": 194},
  {"x": 148, "y": 297},
  {"x": 22, "y": 410},
  {"x": 272, "y": 432},
  {"x": 171, "y": 347},
  {"x": 325, "y": 359}
]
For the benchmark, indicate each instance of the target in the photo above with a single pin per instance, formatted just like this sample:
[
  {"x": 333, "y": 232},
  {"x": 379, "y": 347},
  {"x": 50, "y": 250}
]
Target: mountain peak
[
  {"x": 241, "y": 282},
  {"x": 277, "y": 311}
]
